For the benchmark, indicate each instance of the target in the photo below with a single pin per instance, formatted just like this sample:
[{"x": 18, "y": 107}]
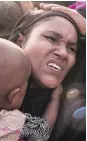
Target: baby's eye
[{"x": 53, "y": 39}]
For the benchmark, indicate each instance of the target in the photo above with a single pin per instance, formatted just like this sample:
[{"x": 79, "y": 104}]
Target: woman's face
[{"x": 51, "y": 49}]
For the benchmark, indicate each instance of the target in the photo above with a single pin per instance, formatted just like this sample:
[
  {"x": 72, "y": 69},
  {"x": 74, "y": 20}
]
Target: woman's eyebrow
[
  {"x": 72, "y": 43},
  {"x": 58, "y": 35}
]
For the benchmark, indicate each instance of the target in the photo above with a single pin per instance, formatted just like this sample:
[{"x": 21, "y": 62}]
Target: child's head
[{"x": 14, "y": 74}]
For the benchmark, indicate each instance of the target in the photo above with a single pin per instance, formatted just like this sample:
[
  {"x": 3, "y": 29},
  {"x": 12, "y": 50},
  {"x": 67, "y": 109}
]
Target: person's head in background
[
  {"x": 14, "y": 73},
  {"x": 25, "y": 5},
  {"x": 10, "y": 12},
  {"x": 51, "y": 50}
]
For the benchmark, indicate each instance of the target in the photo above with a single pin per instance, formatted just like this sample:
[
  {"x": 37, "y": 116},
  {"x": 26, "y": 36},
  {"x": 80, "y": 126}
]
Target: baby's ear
[
  {"x": 13, "y": 97},
  {"x": 20, "y": 40}
]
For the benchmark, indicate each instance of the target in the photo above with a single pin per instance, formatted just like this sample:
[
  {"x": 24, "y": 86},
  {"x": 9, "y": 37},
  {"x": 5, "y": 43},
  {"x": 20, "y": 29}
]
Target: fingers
[
  {"x": 41, "y": 5},
  {"x": 56, "y": 7},
  {"x": 66, "y": 10},
  {"x": 78, "y": 18},
  {"x": 61, "y": 89},
  {"x": 72, "y": 13},
  {"x": 48, "y": 6},
  {"x": 57, "y": 92}
]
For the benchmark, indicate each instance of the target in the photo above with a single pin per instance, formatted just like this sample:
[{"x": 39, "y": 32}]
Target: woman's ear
[
  {"x": 13, "y": 97},
  {"x": 20, "y": 40}
]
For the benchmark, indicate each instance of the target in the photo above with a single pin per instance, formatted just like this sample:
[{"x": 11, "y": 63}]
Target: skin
[
  {"x": 78, "y": 18},
  {"x": 14, "y": 67},
  {"x": 26, "y": 5},
  {"x": 13, "y": 82},
  {"x": 49, "y": 47}
]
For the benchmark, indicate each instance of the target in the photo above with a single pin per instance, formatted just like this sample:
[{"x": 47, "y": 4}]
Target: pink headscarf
[{"x": 78, "y": 5}]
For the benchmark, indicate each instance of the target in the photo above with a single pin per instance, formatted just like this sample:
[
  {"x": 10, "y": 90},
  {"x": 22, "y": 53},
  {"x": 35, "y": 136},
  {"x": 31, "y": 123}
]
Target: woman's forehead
[
  {"x": 58, "y": 25},
  {"x": 31, "y": 19},
  {"x": 57, "y": 21}
]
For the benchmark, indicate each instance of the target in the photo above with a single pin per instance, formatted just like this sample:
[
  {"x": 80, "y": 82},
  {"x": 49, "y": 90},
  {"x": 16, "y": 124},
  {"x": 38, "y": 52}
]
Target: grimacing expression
[{"x": 51, "y": 49}]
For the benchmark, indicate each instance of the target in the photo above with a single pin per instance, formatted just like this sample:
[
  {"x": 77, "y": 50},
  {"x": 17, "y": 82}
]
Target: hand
[
  {"x": 57, "y": 92},
  {"x": 78, "y": 18}
]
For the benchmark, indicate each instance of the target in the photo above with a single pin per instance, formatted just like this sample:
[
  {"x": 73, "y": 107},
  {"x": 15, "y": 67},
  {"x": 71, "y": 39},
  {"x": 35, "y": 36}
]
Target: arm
[
  {"x": 51, "y": 112},
  {"x": 78, "y": 18},
  {"x": 36, "y": 128}
]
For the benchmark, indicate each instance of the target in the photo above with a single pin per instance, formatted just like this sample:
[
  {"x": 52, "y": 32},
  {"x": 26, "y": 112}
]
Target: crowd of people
[{"x": 43, "y": 71}]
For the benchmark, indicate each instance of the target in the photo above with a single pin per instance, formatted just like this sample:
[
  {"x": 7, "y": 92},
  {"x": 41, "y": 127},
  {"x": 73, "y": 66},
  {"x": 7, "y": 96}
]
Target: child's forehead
[
  {"x": 7, "y": 46},
  {"x": 4, "y": 43}
]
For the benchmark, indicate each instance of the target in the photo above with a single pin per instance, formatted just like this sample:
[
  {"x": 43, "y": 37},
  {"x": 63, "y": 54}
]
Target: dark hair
[
  {"x": 10, "y": 13},
  {"x": 31, "y": 18}
]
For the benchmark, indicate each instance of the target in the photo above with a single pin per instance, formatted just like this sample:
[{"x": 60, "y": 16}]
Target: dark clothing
[
  {"x": 35, "y": 129},
  {"x": 35, "y": 103}
]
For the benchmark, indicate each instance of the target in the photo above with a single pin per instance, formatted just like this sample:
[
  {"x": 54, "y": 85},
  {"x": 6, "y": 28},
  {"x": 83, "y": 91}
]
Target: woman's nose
[{"x": 61, "y": 51}]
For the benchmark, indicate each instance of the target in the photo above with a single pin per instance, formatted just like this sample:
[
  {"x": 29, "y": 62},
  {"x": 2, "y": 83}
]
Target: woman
[
  {"x": 51, "y": 51},
  {"x": 73, "y": 100}
]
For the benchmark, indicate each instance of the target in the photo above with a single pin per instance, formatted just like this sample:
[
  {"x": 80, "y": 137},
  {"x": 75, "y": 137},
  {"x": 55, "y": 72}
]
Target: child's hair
[
  {"x": 14, "y": 68},
  {"x": 10, "y": 12}
]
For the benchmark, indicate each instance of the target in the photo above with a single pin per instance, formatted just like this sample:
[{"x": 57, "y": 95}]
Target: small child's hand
[{"x": 57, "y": 92}]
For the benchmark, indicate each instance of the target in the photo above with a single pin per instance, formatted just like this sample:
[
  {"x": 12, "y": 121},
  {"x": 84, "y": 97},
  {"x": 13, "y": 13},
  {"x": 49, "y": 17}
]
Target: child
[{"x": 15, "y": 71}]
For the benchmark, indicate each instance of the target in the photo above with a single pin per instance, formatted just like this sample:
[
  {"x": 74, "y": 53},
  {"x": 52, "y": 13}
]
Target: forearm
[{"x": 51, "y": 112}]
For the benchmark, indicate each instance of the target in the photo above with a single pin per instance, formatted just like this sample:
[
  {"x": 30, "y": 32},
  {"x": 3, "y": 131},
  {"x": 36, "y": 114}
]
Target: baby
[{"x": 15, "y": 71}]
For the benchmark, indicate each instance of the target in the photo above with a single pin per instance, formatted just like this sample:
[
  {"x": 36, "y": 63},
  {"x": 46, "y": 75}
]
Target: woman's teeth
[{"x": 55, "y": 66}]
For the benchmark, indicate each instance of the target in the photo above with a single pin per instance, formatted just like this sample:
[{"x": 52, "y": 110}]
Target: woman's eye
[
  {"x": 51, "y": 38},
  {"x": 71, "y": 49}
]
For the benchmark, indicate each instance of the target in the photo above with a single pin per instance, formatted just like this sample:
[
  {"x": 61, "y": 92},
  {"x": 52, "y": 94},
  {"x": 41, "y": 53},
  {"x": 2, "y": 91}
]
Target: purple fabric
[{"x": 78, "y": 5}]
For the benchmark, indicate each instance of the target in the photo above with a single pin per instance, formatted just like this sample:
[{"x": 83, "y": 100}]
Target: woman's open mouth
[{"x": 55, "y": 66}]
